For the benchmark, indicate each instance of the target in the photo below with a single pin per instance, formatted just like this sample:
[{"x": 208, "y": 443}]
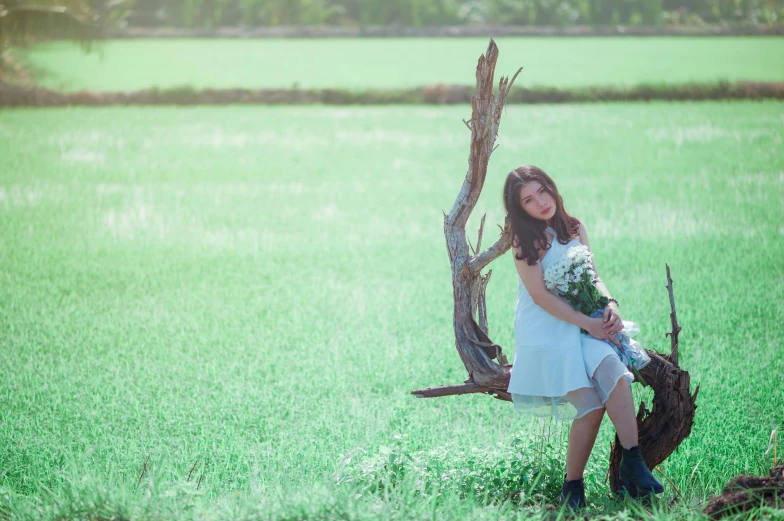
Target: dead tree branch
[
  {"x": 469, "y": 285},
  {"x": 674, "y": 319},
  {"x": 662, "y": 429}
]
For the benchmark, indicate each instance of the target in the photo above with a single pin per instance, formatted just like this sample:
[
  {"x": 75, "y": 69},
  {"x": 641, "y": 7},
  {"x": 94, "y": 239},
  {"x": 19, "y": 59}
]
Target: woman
[{"x": 557, "y": 371}]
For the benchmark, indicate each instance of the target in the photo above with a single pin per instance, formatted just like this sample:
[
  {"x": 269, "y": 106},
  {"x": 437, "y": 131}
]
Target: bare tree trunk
[
  {"x": 474, "y": 346},
  {"x": 669, "y": 422}
]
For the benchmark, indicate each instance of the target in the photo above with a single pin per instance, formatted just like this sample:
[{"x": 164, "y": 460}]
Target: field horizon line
[{"x": 17, "y": 95}]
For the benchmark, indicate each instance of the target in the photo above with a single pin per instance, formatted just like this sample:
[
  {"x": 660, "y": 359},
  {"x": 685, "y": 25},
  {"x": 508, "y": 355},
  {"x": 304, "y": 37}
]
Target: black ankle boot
[
  {"x": 634, "y": 475},
  {"x": 573, "y": 493}
]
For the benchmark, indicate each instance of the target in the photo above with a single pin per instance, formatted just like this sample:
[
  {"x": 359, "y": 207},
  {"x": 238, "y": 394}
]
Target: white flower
[{"x": 579, "y": 254}]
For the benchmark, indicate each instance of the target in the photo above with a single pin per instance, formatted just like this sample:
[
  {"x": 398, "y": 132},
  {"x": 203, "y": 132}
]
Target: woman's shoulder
[
  {"x": 582, "y": 234},
  {"x": 541, "y": 249}
]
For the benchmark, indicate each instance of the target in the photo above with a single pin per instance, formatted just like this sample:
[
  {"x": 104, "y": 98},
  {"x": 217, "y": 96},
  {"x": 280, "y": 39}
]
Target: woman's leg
[
  {"x": 612, "y": 377},
  {"x": 582, "y": 435},
  {"x": 620, "y": 409}
]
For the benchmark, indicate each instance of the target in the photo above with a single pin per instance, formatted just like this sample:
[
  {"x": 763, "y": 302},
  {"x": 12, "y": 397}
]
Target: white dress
[{"x": 557, "y": 371}]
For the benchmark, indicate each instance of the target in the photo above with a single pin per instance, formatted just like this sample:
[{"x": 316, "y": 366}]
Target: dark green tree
[{"x": 24, "y": 22}]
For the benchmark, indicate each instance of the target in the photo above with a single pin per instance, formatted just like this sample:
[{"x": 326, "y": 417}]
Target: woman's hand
[
  {"x": 612, "y": 320},
  {"x": 595, "y": 328}
]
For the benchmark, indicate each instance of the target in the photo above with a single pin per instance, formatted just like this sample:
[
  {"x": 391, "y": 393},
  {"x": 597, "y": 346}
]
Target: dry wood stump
[{"x": 743, "y": 493}]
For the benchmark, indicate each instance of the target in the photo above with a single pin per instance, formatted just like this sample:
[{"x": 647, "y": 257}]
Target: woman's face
[{"x": 537, "y": 201}]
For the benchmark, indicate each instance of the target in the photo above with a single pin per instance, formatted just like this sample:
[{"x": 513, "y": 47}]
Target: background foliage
[
  {"x": 209, "y": 13},
  {"x": 24, "y": 22}
]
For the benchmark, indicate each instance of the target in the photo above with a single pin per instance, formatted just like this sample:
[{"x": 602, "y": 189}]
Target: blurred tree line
[
  {"x": 417, "y": 13},
  {"x": 26, "y": 21},
  {"x": 23, "y": 22}
]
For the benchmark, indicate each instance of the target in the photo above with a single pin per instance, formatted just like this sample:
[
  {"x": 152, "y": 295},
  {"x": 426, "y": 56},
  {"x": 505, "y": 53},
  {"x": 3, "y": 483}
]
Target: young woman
[{"x": 557, "y": 371}]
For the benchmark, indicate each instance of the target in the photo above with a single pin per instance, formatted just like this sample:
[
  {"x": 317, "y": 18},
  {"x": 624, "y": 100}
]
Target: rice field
[
  {"x": 372, "y": 63},
  {"x": 219, "y": 312}
]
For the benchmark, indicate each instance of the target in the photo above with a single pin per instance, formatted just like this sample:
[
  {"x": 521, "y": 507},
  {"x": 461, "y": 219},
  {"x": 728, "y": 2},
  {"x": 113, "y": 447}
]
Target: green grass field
[
  {"x": 255, "y": 290},
  {"x": 411, "y": 62}
]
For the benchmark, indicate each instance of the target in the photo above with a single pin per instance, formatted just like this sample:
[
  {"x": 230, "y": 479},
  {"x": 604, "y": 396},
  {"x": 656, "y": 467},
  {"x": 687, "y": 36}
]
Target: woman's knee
[{"x": 595, "y": 416}]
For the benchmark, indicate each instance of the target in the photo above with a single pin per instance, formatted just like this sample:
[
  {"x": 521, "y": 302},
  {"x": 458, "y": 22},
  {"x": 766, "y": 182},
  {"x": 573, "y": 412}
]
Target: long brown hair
[{"x": 528, "y": 231}]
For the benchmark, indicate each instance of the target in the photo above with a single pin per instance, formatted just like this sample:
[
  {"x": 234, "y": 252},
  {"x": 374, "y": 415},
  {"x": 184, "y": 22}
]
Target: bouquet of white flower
[{"x": 572, "y": 278}]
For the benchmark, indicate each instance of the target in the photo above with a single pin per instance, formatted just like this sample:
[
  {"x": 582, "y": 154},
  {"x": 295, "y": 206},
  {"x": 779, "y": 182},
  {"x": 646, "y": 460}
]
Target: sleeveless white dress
[{"x": 557, "y": 371}]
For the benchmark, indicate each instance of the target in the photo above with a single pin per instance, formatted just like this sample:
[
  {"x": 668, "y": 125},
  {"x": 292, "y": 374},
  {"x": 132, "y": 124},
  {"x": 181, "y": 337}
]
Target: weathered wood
[
  {"x": 669, "y": 422},
  {"x": 743, "y": 493},
  {"x": 674, "y": 320},
  {"x": 501, "y": 246},
  {"x": 468, "y": 388},
  {"x": 474, "y": 346}
]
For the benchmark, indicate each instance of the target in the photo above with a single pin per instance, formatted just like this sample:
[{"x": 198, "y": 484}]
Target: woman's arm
[
  {"x": 533, "y": 279},
  {"x": 612, "y": 320}
]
